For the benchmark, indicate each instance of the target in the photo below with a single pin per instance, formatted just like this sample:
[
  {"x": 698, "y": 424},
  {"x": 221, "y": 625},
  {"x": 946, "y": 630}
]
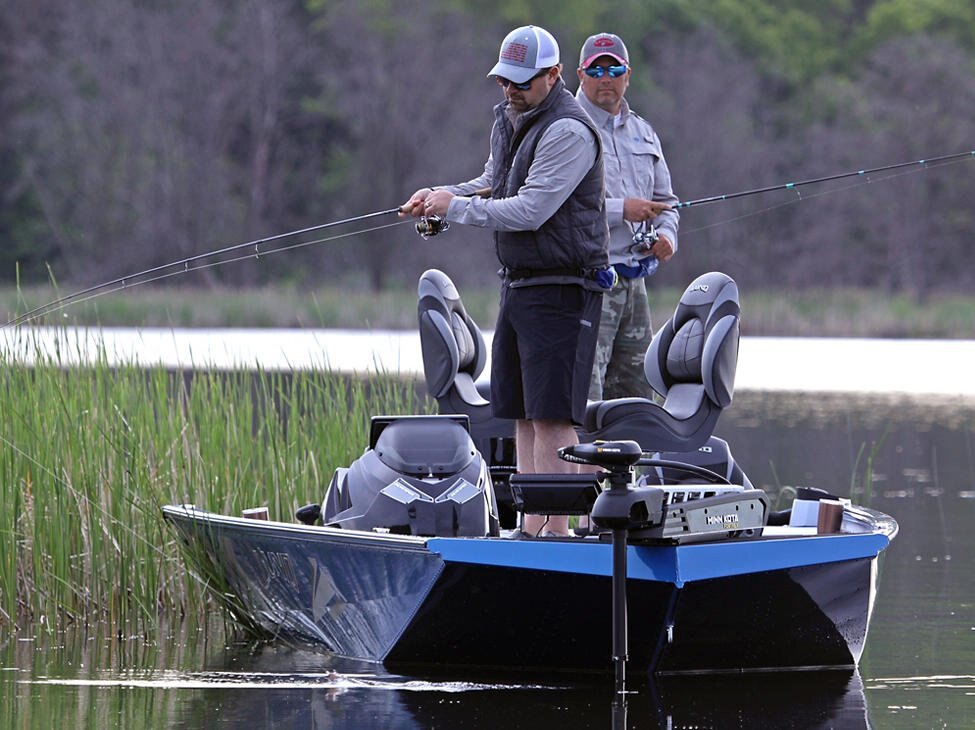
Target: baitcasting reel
[{"x": 430, "y": 225}]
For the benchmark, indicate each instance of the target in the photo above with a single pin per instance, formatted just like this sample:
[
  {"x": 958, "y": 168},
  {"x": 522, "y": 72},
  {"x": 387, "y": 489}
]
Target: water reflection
[
  {"x": 132, "y": 684},
  {"x": 346, "y": 698}
]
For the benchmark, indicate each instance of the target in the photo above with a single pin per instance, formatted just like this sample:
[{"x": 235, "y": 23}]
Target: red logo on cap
[
  {"x": 516, "y": 52},
  {"x": 604, "y": 42}
]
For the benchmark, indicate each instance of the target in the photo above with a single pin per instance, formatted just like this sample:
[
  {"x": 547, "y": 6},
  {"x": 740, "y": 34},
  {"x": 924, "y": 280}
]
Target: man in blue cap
[{"x": 547, "y": 211}]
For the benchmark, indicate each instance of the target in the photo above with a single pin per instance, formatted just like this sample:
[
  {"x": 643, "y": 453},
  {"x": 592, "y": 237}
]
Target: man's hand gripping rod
[{"x": 430, "y": 225}]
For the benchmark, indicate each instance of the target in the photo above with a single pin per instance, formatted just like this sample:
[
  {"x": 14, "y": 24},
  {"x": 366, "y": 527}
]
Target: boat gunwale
[
  {"x": 196, "y": 515},
  {"x": 665, "y": 562}
]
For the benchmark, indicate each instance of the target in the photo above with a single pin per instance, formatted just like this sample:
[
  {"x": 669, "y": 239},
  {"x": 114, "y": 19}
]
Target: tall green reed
[
  {"x": 89, "y": 454},
  {"x": 861, "y": 482}
]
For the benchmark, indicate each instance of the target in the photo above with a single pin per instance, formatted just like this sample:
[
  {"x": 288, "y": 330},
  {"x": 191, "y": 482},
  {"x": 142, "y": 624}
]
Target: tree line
[{"x": 137, "y": 132}]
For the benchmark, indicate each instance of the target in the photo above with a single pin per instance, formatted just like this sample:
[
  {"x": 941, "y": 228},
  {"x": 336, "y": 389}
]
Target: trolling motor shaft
[{"x": 620, "y": 509}]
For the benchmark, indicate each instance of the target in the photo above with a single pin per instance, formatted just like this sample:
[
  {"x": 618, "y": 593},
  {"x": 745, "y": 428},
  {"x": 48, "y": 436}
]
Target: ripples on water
[
  {"x": 331, "y": 680},
  {"x": 275, "y": 685}
]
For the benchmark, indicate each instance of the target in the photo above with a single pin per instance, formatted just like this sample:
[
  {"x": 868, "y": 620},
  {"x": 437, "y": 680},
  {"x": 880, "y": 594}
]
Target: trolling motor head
[{"x": 611, "y": 455}]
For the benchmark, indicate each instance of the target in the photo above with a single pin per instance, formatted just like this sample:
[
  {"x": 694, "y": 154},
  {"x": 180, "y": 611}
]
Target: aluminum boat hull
[{"x": 786, "y": 600}]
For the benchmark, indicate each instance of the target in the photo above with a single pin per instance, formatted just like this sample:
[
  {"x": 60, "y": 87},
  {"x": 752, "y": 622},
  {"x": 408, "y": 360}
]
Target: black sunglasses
[
  {"x": 525, "y": 86},
  {"x": 597, "y": 72}
]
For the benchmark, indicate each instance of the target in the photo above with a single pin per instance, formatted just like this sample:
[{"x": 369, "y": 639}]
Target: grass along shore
[
  {"x": 88, "y": 456},
  {"x": 807, "y": 313}
]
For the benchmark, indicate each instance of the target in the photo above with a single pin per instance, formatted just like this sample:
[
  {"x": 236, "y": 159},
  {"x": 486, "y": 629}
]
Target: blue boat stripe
[
  {"x": 665, "y": 563},
  {"x": 575, "y": 556},
  {"x": 718, "y": 560}
]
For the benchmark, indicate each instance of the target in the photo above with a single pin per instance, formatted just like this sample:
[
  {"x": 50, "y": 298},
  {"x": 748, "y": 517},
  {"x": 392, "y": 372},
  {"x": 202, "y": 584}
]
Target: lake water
[
  {"x": 941, "y": 367},
  {"x": 908, "y": 451}
]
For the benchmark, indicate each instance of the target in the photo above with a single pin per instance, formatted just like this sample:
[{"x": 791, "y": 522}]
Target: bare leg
[
  {"x": 547, "y": 436},
  {"x": 525, "y": 446}
]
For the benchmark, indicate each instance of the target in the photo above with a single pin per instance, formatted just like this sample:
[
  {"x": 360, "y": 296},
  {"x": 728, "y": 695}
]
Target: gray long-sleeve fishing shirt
[
  {"x": 565, "y": 153},
  {"x": 635, "y": 168}
]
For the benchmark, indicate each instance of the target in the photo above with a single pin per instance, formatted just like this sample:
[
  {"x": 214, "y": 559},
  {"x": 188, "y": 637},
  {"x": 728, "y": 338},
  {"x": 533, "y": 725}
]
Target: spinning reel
[
  {"x": 430, "y": 225},
  {"x": 644, "y": 237}
]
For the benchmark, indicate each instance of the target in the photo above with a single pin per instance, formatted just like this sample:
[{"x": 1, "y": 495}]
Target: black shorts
[{"x": 543, "y": 351}]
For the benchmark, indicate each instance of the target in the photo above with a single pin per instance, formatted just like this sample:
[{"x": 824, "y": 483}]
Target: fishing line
[
  {"x": 928, "y": 162},
  {"x": 213, "y": 264},
  {"x": 801, "y": 197},
  {"x": 184, "y": 266}
]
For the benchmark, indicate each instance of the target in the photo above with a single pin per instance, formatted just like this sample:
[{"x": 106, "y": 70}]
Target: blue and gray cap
[{"x": 524, "y": 52}]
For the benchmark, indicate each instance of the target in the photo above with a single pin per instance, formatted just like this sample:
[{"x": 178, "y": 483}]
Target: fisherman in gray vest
[
  {"x": 638, "y": 191},
  {"x": 547, "y": 211}
]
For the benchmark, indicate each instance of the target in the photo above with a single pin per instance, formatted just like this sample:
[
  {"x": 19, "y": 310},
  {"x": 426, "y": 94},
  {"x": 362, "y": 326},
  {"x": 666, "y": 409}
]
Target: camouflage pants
[{"x": 625, "y": 332}]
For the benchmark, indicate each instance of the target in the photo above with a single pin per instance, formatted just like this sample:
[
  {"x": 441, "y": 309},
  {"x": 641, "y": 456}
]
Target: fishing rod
[
  {"x": 425, "y": 227},
  {"x": 827, "y": 178}
]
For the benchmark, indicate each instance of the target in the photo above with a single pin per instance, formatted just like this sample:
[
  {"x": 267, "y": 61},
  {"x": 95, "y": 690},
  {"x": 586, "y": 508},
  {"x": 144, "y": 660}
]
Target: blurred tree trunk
[
  {"x": 152, "y": 137},
  {"x": 417, "y": 105}
]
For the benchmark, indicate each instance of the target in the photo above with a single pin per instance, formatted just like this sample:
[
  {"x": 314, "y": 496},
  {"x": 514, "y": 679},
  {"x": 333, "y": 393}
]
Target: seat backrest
[
  {"x": 695, "y": 354},
  {"x": 453, "y": 347},
  {"x": 454, "y": 354}
]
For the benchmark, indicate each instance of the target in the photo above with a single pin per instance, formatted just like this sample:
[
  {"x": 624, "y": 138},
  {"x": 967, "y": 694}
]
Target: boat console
[
  {"x": 421, "y": 475},
  {"x": 650, "y": 513}
]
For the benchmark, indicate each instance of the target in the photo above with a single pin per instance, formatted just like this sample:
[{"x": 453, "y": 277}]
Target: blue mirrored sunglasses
[{"x": 597, "y": 72}]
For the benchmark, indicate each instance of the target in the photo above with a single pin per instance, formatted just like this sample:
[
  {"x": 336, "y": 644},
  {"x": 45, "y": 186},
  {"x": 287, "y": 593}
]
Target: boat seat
[
  {"x": 691, "y": 363},
  {"x": 454, "y": 354}
]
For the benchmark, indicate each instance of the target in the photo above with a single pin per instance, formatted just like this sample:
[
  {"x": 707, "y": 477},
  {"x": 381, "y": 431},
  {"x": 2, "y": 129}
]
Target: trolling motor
[
  {"x": 644, "y": 513},
  {"x": 620, "y": 508}
]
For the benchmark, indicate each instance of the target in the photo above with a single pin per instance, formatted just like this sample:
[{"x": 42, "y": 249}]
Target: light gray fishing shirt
[{"x": 635, "y": 168}]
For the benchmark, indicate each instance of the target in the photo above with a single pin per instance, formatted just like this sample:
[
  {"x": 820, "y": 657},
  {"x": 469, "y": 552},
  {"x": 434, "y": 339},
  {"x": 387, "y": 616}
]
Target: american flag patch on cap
[{"x": 516, "y": 52}]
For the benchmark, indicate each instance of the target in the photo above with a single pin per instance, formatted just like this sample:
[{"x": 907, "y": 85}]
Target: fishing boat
[{"x": 413, "y": 556}]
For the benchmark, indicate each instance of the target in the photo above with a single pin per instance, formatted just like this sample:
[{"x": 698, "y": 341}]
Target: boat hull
[{"x": 786, "y": 602}]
